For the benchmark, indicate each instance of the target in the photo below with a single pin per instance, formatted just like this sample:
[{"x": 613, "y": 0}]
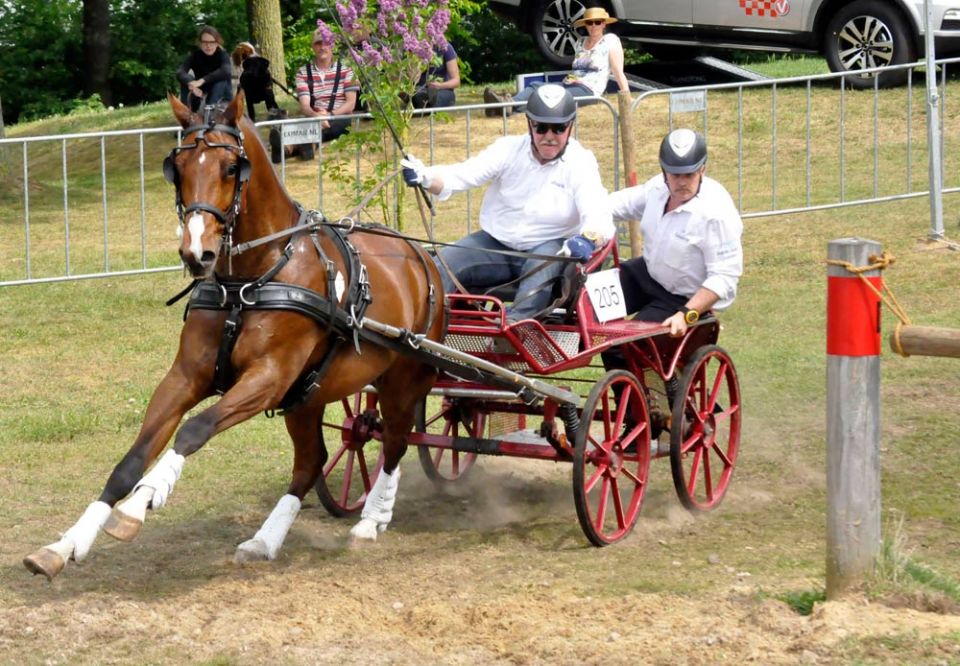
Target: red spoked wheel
[
  {"x": 353, "y": 468},
  {"x": 611, "y": 458},
  {"x": 705, "y": 429},
  {"x": 448, "y": 417}
]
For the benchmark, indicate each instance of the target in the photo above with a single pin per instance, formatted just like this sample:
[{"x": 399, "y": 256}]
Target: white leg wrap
[
  {"x": 274, "y": 530},
  {"x": 378, "y": 509},
  {"x": 136, "y": 505},
  {"x": 162, "y": 477},
  {"x": 78, "y": 539}
]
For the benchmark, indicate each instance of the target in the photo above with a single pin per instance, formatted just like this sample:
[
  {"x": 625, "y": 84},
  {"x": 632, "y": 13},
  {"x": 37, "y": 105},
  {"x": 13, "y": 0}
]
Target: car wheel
[
  {"x": 553, "y": 30},
  {"x": 866, "y": 34}
]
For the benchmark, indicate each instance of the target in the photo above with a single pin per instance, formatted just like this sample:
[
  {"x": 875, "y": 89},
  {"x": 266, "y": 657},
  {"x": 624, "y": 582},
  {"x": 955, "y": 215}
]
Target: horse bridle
[{"x": 226, "y": 217}]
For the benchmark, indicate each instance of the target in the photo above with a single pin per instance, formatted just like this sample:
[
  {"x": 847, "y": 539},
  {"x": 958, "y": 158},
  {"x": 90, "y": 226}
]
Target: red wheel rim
[
  {"x": 352, "y": 469},
  {"x": 611, "y": 462},
  {"x": 704, "y": 449}
]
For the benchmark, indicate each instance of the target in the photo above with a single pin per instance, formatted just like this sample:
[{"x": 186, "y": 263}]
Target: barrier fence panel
[
  {"x": 76, "y": 206},
  {"x": 809, "y": 143},
  {"x": 90, "y": 205}
]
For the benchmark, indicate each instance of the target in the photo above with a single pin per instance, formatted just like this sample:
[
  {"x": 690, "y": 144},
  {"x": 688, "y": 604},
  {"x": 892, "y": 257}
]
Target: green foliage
[
  {"x": 41, "y": 64},
  {"x": 895, "y": 567},
  {"x": 156, "y": 37},
  {"x": 41, "y": 47},
  {"x": 494, "y": 49},
  {"x": 802, "y": 602}
]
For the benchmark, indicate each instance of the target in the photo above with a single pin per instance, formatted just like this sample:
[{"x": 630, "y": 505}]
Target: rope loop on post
[{"x": 885, "y": 293}]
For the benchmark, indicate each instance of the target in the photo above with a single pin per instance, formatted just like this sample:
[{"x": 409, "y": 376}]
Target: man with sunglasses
[{"x": 545, "y": 197}]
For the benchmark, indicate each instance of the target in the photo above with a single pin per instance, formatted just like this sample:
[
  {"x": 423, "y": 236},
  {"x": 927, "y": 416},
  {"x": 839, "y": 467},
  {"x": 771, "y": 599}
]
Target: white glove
[{"x": 415, "y": 172}]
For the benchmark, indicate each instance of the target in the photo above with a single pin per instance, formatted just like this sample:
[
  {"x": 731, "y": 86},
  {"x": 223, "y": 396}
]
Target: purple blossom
[
  {"x": 370, "y": 55},
  {"x": 324, "y": 33}
]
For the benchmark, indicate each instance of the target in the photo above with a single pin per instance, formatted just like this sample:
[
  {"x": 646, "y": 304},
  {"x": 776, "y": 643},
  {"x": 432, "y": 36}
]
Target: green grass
[
  {"x": 802, "y": 602},
  {"x": 782, "y": 66}
]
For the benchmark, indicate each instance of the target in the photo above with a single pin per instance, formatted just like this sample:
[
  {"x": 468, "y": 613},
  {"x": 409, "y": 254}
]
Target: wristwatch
[{"x": 690, "y": 316}]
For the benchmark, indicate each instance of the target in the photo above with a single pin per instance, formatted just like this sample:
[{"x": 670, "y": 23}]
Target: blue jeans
[
  {"x": 431, "y": 98},
  {"x": 478, "y": 269},
  {"x": 215, "y": 92}
]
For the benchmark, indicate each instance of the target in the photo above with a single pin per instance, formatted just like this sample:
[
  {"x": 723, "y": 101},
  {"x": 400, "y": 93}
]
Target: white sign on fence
[
  {"x": 690, "y": 101},
  {"x": 301, "y": 133}
]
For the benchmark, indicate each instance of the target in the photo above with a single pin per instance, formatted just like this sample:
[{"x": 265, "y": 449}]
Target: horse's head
[{"x": 209, "y": 169}]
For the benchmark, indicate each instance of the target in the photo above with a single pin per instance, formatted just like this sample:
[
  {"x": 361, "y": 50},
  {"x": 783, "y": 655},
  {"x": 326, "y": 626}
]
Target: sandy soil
[{"x": 479, "y": 578}]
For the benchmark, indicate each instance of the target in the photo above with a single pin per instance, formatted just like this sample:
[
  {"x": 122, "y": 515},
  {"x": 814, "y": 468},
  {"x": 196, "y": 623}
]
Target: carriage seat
[{"x": 564, "y": 291}]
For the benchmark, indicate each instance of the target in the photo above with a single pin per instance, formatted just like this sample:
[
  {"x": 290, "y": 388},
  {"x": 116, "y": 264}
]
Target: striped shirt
[{"x": 323, "y": 80}]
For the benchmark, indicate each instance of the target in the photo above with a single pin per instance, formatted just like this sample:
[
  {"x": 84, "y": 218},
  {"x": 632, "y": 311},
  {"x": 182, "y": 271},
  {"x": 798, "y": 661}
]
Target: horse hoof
[
  {"x": 364, "y": 532},
  {"x": 45, "y": 562},
  {"x": 254, "y": 550},
  {"x": 122, "y": 527}
]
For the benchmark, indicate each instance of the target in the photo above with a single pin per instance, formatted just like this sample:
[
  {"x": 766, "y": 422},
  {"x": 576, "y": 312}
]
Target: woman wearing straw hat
[{"x": 597, "y": 56}]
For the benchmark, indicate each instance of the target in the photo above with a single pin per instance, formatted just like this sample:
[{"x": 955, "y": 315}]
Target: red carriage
[{"x": 536, "y": 389}]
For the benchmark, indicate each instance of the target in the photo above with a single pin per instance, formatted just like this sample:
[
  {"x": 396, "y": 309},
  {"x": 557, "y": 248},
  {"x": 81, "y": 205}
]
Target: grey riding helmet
[
  {"x": 683, "y": 151},
  {"x": 551, "y": 103}
]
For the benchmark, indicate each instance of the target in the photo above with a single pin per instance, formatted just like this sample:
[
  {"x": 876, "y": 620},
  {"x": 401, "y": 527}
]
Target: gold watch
[{"x": 690, "y": 316}]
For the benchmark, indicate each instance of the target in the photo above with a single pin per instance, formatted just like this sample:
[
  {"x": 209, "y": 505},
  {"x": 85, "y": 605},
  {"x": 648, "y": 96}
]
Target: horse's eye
[{"x": 232, "y": 170}]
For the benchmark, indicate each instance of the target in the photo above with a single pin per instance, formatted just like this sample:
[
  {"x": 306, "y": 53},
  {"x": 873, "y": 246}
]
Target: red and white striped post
[{"x": 853, "y": 416}]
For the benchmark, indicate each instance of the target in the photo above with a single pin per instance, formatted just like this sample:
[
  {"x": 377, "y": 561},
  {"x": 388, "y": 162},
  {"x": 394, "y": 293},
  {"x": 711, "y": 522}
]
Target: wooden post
[
  {"x": 926, "y": 341},
  {"x": 624, "y": 102},
  {"x": 853, "y": 417}
]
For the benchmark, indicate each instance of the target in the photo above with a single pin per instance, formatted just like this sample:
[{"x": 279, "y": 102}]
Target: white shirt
[
  {"x": 528, "y": 203},
  {"x": 695, "y": 245}
]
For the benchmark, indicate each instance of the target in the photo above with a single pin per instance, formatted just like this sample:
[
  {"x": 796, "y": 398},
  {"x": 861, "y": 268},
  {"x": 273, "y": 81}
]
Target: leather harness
[{"x": 342, "y": 322}]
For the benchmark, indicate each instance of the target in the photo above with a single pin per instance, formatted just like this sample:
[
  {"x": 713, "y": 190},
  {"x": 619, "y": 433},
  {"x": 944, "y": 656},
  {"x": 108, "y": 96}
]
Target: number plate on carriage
[{"x": 606, "y": 295}]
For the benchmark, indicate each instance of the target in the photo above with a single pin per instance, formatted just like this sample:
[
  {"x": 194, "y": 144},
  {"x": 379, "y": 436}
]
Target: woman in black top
[{"x": 206, "y": 71}]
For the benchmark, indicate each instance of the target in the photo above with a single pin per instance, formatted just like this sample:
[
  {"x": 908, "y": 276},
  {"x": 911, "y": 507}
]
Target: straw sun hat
[{"x": 594, "y": 14}]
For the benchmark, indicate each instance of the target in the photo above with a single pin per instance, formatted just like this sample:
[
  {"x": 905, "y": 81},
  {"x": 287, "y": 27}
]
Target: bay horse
[{"x": 274, "y": 320}]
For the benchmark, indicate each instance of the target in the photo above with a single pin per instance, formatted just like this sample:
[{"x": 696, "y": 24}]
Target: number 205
[{"x": 606, "y": 297}]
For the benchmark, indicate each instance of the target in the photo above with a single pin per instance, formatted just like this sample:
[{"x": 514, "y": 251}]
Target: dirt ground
[{"x": 495, "y": 574}]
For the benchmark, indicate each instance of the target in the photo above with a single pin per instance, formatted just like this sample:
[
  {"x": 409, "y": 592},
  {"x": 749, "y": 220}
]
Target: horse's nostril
[{"x": 208, "y": 257}]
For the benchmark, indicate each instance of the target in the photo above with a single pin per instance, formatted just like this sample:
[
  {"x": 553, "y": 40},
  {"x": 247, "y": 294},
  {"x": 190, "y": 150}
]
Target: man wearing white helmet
[
  {"x": 545, "y": 197},
  {"x": 692, "y": 256}
]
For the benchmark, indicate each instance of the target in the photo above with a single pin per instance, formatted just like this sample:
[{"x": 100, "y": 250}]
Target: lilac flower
[{"x": 324, "y": 33}]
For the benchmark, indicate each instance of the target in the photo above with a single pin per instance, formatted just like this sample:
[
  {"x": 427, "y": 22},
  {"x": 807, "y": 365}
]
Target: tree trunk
[
  {"x": 96, "y": 49},
  {"x": 266, "y": 30}
]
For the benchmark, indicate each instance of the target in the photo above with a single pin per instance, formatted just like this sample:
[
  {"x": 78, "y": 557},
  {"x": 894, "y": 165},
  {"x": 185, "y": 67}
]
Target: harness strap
[
  {"x": 222, "y": 373},
  {"x": 303, "y": 388}
]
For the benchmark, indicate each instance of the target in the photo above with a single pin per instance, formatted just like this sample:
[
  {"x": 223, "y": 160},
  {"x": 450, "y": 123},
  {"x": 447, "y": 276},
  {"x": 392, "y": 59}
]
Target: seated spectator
[
  {"x": 255, "y": 79},
  {"x": 205, "y": 76},
  {"x": 437, "y": 85},
  {"x": 326, "y": 88},
  {"x": 597, "y": 56}
]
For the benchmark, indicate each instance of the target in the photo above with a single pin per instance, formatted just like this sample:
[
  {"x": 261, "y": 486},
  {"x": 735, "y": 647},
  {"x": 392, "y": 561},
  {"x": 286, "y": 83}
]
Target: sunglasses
[
  {"x": 556, "y": 128},
  {"x": 598, "y": 22}
]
